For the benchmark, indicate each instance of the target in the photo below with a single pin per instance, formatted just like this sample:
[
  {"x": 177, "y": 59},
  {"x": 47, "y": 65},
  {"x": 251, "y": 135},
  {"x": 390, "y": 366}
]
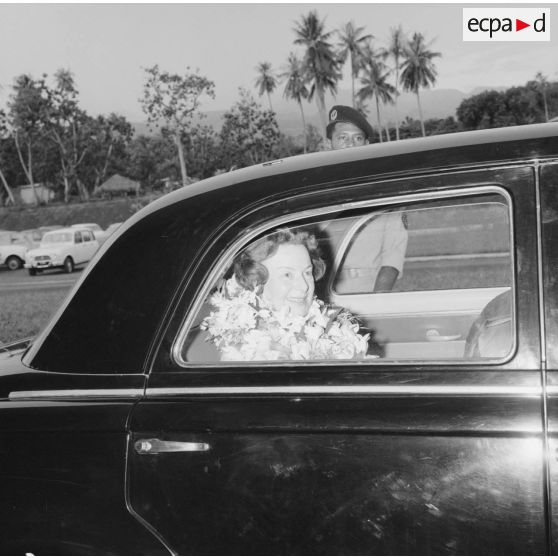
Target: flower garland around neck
[{"x": 244, "y": 327}]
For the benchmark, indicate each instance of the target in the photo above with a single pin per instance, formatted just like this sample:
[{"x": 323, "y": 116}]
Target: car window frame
[{"x": 225, "y": 259}]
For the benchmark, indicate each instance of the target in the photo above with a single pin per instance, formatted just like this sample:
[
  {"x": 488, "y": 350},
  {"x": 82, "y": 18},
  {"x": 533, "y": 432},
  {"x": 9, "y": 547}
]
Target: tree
[
  {"x": 26, "y": 108},
  {"x": 410, "y": 128},
  {"x": 203, "y": 153},
  {"x": 315, "y": 139},
  {"x": 543, "y": 83},
  {"x": 418, "y": 69},
  {"x": 4, "y": 135},
  {"x": 396, "y": 49},
  {"x": 172, "y": 100},
  {"x": 108, "y": 153},
  {"x": 375, "y": 85},
  {"x": 351, "y": 41},
  {"x": 153, "y": 160},
  {"x": 295, "y": 87},
  {"x": 481, "y": 111},
  {"x": 266, "y": 82},
  {"x": 70, "y": 128},
  {"x": 249, "y": 133},
  {"x": 320, "y": 62}
]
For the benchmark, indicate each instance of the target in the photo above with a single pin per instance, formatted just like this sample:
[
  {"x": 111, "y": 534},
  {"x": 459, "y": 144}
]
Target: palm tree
[
  {"x": 543, "y": 83},
  {"x": 418, "y": 70},
  {"x": 266, "y": 81},
  {"x": 375, "y": 85},
  {"x": 295, "y": 87},
  {"x": 395, "y": 49},
  {"x": 320, "y": 62},
  {"x": 351, "y": 42}
]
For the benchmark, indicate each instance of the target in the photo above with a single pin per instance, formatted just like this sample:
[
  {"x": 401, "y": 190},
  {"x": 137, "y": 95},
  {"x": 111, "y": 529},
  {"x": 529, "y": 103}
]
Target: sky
[{"x": 107, "y": 45}]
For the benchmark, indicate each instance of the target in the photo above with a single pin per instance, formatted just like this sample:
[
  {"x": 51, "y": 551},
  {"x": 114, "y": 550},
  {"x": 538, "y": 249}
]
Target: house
[
  {"x": 118, "y": 185},
  {"x": 24, "y": 194}
]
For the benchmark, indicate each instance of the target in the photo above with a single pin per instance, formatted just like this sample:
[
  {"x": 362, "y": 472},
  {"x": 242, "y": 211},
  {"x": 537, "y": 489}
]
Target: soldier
[
  {"x": 347, "y": 128},
  {"x": 377, "y": 254}
]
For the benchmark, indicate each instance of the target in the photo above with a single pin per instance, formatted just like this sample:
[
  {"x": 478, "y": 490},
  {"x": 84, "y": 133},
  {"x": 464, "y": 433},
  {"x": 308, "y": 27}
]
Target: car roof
[
  {"x": 64, "y": 230},
  {"x": 497, "y": 144}
]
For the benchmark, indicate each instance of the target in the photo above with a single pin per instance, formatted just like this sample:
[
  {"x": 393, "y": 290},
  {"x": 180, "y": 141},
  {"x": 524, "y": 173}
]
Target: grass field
[{"x": 25, "y": 313}]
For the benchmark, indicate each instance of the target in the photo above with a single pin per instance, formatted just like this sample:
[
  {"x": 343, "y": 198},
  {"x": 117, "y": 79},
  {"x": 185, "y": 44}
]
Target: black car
[{"x": 124, "y": 430}]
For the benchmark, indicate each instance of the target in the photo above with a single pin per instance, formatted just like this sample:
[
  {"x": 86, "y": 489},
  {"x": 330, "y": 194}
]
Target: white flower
[
  {"x": 343, "y": 349},
  {"x": 243, "y": 316},
  {"x": 244, "y": 327},
  {"x": 313, "y": 332}
]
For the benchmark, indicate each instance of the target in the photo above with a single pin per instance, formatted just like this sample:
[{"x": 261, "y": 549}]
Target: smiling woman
[{"x": 267, "y": 310}]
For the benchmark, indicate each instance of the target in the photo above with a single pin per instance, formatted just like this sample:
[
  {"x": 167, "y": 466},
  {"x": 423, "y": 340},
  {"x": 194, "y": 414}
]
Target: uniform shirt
[{"x": 381, "y": 242}]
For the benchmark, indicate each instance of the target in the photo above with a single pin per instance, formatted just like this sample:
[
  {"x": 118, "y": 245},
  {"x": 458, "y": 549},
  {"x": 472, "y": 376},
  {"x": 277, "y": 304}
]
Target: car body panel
[{"x": 342, "y": 475}]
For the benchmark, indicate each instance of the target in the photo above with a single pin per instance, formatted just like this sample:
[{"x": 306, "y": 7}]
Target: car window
[
  {"x": 86, "y": 236},
  {"x": 77, "y": 237},
  {"x": 425, "y": 281},
  {"x": 441, "y": 246}
]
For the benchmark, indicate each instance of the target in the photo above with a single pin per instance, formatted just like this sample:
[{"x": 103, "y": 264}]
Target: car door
[
  {"x": 418, "y": 453},
  {"x": 79, "y": 248},
  {"x": 89, "y": 244}
]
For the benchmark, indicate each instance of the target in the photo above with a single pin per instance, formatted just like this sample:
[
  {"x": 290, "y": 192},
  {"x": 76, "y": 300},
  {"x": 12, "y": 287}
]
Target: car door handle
[
  {"x": 434, "y": 335},
  {"x": 154, "y": 445}
]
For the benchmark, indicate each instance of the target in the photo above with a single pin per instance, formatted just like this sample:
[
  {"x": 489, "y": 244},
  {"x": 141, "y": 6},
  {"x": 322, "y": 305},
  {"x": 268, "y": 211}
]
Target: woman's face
[{"x": 291, "y": 282}]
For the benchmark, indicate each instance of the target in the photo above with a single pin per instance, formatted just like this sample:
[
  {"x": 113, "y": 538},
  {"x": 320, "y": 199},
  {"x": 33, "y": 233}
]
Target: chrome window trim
[
  {"x": 227, "y": 257},
  {"x": 383, "y": 389},
  {"x": 77, "y": 394},
  {"x": 442, "y": 390}
]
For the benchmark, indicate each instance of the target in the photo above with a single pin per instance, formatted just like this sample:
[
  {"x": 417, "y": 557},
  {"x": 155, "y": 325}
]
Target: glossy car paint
[
  {"x": 407, "y": 463},
  {"x": 549, "y": 267},
  {"x": 372, "y": 458},
  {"x": 62, "y": 463}
]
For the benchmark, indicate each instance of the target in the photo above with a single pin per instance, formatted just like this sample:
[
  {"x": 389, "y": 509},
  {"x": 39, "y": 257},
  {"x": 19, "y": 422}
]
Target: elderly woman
[{"x": 268, "y": 311}]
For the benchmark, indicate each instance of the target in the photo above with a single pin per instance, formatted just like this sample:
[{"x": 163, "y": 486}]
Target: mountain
[{"x": 436, "y": 103}]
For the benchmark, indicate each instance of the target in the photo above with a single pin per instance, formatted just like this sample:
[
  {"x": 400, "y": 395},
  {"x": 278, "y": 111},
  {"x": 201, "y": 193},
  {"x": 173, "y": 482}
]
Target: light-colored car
[
  {"x": 64, "y": 248},
  {"x": 99, "y": 233},
  {"x": 13, "y": 248}
]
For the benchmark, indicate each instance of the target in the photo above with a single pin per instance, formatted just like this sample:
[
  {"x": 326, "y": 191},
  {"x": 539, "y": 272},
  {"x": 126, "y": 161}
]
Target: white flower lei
[{"x": 244, "y": 327}]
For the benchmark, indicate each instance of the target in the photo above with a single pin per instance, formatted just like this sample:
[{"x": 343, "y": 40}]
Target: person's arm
[
  {"x": 386, "y": 279},
  {"x": 394, "y": 246}
]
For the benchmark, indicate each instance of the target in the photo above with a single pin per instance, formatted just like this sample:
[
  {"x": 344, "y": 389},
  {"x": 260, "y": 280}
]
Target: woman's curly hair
[{"x": 251, "y": 273}]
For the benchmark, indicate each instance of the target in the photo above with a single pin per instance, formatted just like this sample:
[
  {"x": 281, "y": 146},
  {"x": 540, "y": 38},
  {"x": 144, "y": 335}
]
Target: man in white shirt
[{"x": 383, "y": 241}]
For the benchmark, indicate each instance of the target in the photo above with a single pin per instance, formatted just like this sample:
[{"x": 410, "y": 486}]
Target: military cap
[{"x": 342, "y": 113}]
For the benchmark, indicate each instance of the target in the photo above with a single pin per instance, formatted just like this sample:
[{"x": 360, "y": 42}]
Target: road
[{"x": 20, "y": 280}]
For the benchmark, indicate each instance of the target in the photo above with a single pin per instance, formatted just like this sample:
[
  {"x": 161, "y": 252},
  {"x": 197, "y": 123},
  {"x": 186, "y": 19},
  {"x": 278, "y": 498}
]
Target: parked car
[
  {"x": 122, "y": 430},
  {"x": 47, "y": 228},
  {"x": 13, "y": 248},
  {"x": 63, "y": 248},
  {"x": 100, "y": 234}
]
